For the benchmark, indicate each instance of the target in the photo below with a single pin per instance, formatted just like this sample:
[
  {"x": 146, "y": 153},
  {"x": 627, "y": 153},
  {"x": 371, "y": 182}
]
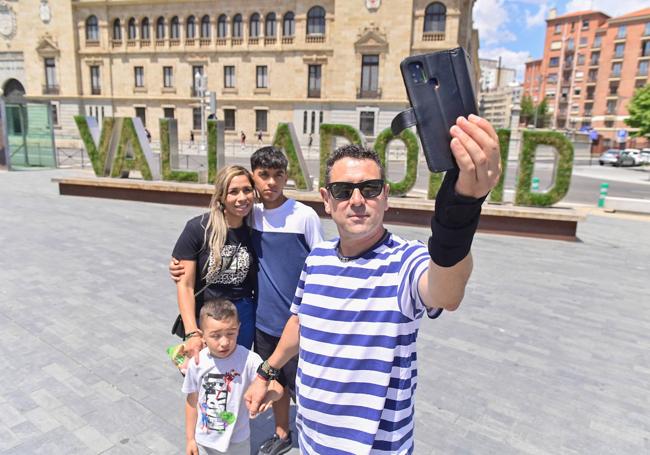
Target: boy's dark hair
[
  {"x": 357, "y": 152},
  {"x": 268, "y": 158},
  {"x": 219, "y": 309}
]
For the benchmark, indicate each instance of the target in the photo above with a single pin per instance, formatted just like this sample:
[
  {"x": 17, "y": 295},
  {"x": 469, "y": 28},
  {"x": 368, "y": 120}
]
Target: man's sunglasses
[{"x": 369, "y": 189}]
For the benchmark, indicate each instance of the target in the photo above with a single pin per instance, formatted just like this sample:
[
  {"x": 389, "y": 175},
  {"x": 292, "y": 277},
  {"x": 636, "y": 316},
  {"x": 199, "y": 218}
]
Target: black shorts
[{"x": 264, "y": 345}]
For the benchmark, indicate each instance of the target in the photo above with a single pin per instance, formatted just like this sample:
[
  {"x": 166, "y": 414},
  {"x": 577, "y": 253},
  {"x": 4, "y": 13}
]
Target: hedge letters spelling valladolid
[{"x": 122, "y": 146}]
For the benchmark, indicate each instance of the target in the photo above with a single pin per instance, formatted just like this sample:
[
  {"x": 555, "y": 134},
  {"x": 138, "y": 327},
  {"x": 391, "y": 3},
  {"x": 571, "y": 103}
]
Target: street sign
[
  {"x": 593, "y": 135},
  {"x": 621, "y": 135}
]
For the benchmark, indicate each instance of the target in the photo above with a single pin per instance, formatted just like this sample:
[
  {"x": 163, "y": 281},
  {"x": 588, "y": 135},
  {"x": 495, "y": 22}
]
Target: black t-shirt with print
[{"x": 235, "y": 278}]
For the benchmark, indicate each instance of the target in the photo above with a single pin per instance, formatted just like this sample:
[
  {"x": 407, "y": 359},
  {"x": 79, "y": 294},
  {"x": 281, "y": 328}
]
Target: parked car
[
  {"x": 635, "y": 154},
  {"x": 609, "y": 157},
  {"x": 645, "y": 156},
  {"x": 625, "y": 159}
]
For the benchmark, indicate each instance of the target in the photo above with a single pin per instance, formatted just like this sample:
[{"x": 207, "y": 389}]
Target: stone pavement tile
[
  {"x": 55, "y": 442},
  {"x": 45, "y": 399},
  {"x": 68, "y": 418},
  {"x": 9, "y": 415},
  {"x": 8, "y": 438},
  {"x": 42, "y": 419},
  {"x": 93, "y": 438}
]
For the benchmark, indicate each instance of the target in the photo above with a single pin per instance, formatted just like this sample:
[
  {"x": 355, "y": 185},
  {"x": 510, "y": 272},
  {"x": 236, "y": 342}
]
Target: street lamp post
[{"x": 201, "y": 84}]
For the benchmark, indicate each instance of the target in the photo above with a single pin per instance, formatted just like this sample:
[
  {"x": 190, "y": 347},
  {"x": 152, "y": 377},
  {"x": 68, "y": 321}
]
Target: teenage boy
[
  {"x": 284, "y": 233},
  {"x": 215, "y": 386}
]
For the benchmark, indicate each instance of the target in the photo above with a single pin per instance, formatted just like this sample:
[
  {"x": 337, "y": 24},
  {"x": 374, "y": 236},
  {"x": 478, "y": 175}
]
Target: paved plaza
[{"x": 548, "y": 354}]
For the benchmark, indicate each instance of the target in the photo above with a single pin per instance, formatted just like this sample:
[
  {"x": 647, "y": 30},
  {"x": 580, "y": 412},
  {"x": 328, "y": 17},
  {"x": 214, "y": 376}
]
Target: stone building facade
[{"x": 305, "y": 62}]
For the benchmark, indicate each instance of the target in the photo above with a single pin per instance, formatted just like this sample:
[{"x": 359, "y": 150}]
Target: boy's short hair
[
  {"x": 218, "y": 309},
  {"x": 268, "y": 158}
]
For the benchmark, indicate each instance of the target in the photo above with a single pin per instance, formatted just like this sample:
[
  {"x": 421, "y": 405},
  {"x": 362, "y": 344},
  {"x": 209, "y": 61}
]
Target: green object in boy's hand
[{"x": 177, "y": 355}]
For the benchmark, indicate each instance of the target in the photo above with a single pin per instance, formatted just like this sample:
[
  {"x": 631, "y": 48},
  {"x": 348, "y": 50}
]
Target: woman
[{"x": 215, "y": 249}]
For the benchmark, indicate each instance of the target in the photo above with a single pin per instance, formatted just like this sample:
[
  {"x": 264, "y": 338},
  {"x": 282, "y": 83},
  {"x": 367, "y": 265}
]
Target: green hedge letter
[
  {"x": 169, "y": 147},
  {"x": 287, "y": 140},
  {"x": 96, "y": 143},
  {"x": 496, "y": 195},
  {"x": 562, "y": 172},
  {"x": 129, "y": 154},
  {"x": 412, "y": 152},
  {"x": 328, "y": 133}
]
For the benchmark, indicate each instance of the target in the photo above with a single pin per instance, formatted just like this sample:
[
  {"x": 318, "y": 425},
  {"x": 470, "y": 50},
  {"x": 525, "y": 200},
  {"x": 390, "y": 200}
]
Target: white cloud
[
  {"x": 491, "y": 20},
  {"x": 610, "y": 7},
  {"x": 509, "y": 58},
  {"x": 537, "y": 19}
]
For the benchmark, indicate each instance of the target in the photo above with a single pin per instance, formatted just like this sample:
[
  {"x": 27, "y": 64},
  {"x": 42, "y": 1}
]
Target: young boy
[
  {"x": 284, "y": 232},
  {"x": 216, "y": 419}
]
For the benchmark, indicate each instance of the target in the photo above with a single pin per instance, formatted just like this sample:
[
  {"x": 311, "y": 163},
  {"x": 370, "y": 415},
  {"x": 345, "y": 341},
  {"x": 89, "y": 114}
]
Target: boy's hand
[
  {"x": 176, "y": 269},
  {"x": 274, "y": 393},
  {"x": 191, "y": 447},
  {"x": 475, "y": 146},
  {"x": 255, "y": 396}
]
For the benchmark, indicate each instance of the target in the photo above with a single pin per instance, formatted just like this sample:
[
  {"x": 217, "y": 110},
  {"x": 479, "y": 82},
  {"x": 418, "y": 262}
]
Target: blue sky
[{"x": 514, "y": 29}]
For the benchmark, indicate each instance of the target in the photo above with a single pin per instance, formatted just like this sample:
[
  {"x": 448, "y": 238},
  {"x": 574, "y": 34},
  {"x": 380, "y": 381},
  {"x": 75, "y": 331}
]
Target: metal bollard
[
  {"x": 535, "y": 186},
  {"x": 603, "y": 194}
]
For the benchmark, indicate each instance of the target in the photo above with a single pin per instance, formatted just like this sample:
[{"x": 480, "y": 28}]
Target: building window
[
  {"x": 117, "y": 30},
  {"x": 588, "y": 108},
  {"x": 595, "y": 56},
  {"x": 168, "y": 112},
  {"x": 289, "y": 24},
  {"x": 555, "y": 45},
  {"x": 138, "y": 73},
  {"x": 570, "y": 44},
  {"x": 435, "y": 16},
  {"x": 205, "y": 26},
  {"x": 585, "y": 24},
  {"x": 643, "y": 68},
  {"x": 254, "y": 26},
  {"x": 616, "y": 70},
  {"x": 131, "y": 29},
  {"x": 174, "y": 28},
  {"x": 262, "y": 80},
  {"x": 590, "y": 92},
  {"x": 261, "y": 117},
  {"x": 229, "y": 119},
  {"x": 611, "y": 106},
  {"x": 645, "y": 48},
  {"x": 367, "y": 123},
  {"x": 222, "y": 26},
  {"x": 554, "y": 62},
  {"x": 316, "y": 21},
  {"x": 369, "y": 75},
  {"x": 160, "y": 28},
  {"x": 304, "y": 122},
  {"x": 613, "y": 88},
  {"x": 557, "y": 29},
  {"x": 92, "y": 29},
  {"x": 313, "y": 122},
  {"x": 190, "y": 28},
  {"x": 144, "y": 29},
  {"x": 196, "y": 118},
  {"x": 140, "y": 112},
  {"x": 95, "y": 82},
  {"x": 597, "y": 40},
  {"x": 51, "y": 85},
  {"x": 583, "y": 41},
  {"x": 229, "y": 77},
  {"x": 619, "y": 50},
  {"x": 622, "y": 32},
  {"x": 592, "y": 75},
  {"x": 646, "y": 30},
  {"x": 639, "y": 83},
  {"x": 579, "y": 75},
  {"x": 552, "y": 78},
  {"x": 313, "y": 85},
  {"x": 581, "y": 59},
  {"x": 237, "y": 31},
  {"x": 577, "y": 91},
  {"x": 168, "y": 76},
  {"x": 269, "y": 25}
]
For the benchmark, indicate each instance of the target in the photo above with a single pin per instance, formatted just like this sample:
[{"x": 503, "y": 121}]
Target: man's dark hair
[
  {"x": 268, "y": 158},
  {"x": 357, "y": 152},
  {"x": 218, "y": 309}
]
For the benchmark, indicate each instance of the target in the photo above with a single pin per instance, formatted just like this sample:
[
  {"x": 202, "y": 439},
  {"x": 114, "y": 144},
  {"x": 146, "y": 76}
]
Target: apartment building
[
  {"x": 267, "y": 61},
  {"x": 592, "y": 65}
]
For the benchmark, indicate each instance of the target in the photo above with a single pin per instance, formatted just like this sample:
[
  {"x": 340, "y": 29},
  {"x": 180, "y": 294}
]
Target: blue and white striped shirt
[{"x": 357, "y": 369}]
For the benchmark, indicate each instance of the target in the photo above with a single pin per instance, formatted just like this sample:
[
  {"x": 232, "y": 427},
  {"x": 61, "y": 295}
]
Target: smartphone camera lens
[{"x": 416, "y": 71}]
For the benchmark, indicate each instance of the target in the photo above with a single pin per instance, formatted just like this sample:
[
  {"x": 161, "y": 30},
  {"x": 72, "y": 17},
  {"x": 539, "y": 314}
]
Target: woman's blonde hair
[{"x": 217, "y": 228}]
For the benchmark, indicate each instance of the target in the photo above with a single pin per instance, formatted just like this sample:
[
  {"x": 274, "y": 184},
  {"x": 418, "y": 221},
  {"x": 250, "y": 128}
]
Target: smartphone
[{"x": 440, "y": 88}]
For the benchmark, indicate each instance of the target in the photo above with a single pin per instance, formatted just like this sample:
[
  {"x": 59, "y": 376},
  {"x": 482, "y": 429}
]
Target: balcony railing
[
  {"x": 160, "y": 42},
  {"x": 253, "y": 41},
  {"x": 173, "y": 42},
  {"x": 131, "y": 43},
  {"x": 205, "y": 42},
  {"x": 92, "y": 43},
  {"x": 315, "y": 39},
  {"x": 190, "y": 41},
  {"x": 145, "y": 42},
  {"x": 433, "y": 36},
  {"x": 270, "y": 40},
  {"x": 50, "y": 89},
  {"x": 287, "y": 39},
  {"x": 368, "y": 94},
  {"x": 222, "y": 41},
  {"x": 237, "y": 41},
  {"x": 116, "y": 43}
]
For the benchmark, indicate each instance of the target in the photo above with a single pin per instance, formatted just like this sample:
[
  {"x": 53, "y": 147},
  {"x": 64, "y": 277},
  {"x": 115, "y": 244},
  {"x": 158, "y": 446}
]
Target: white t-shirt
[{"x": 221, "y": 383}]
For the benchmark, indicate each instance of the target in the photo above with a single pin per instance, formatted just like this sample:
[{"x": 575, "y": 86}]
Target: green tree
[
  {"x": 542, "y": 113},
  {"x": 527, "y": 109},
  {"x": 639, "y": 110}
]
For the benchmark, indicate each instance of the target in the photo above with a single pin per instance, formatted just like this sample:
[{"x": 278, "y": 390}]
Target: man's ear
[{"x": 324, "y": 194}]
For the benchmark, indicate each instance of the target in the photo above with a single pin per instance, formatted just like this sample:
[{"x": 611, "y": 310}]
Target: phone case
[{"x": 440, "y": 90}]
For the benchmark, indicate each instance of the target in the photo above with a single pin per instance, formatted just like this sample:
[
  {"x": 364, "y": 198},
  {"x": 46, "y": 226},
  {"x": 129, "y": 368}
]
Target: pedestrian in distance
[
  {"x": 361, "y": 299},
  {"x": 215, "y": 386}
]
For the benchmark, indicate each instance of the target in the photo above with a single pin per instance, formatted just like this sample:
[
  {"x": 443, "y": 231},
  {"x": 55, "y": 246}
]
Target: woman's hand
[
  {"x": 193, "y": 346},
  {"x": 191, "y": 447}
]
